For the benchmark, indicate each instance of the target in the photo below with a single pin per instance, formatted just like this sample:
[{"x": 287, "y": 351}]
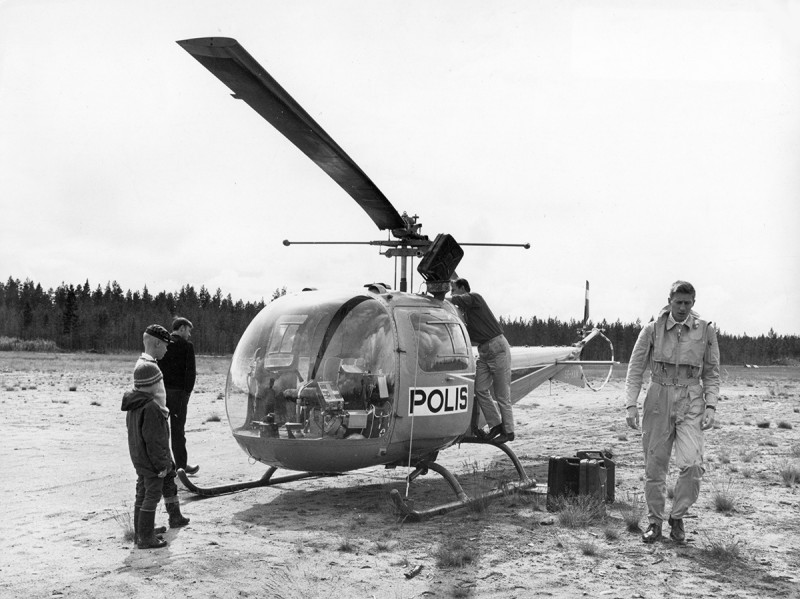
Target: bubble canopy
[{"x": 312, "y": 365}]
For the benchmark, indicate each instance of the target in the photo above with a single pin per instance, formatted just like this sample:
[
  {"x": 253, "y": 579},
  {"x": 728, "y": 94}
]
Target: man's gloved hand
[
  {"x": 708, "y": 419},
  {"x": 163, "y": 473},
  {"x": 633, "y": 417}
]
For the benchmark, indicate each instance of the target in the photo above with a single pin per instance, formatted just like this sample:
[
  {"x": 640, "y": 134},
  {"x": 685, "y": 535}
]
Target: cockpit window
[
  {"x": 281, "y": 342},
  {"x": 441, "y": 344},
  {"x": 315, "y": 365}
]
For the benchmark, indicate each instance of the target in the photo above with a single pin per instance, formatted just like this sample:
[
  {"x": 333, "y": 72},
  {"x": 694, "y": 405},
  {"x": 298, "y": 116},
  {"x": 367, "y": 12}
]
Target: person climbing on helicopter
[{"x": 493, "y": 369}]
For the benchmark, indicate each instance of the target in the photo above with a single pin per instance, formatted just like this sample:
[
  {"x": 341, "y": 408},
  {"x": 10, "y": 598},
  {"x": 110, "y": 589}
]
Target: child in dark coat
[{"x": 148, "y": 442}]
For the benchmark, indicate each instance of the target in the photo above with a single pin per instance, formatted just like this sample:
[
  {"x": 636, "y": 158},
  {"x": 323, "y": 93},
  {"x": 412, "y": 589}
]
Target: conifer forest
[{"x": 107, "y": 319}]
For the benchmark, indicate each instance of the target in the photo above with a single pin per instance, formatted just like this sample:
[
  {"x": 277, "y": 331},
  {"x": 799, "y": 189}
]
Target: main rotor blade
[{"x": 248, "y": 80}]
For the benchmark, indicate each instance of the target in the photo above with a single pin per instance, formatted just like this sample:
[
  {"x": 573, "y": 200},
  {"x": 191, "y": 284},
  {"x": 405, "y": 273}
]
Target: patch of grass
[
  {"x": 724, "y": 457},
  {"x": 790, "y": 473},
  {"x": 785, "y": 425},
  {"x": 292, "y": 582},
  {"x": 346, "y": 546},
  {"x": 671, "y": 492},
  {"x": 64, "y": 401},
  {"x": 580, "y": 511},
  {"x": 747, "y": 472},
  {"x": 95, "y": 403},
  {"x": 632, "y": 514},
  {"x": 214, "y": 418},
  {"x": 749, "y": 456},
  {"x": 763, "y": 424},
  {"x": 725, "y": 553},
  {"x": 477, "y": 485},
  {"x": 795, "y": 450},
  {"x": 453, "y": 552},
  {"x": 381, "y": 546},
  {"x": 769, "y": 443},
  {"x": 73, "y": 387},
  {"x": 588, "y": 548},
  {"x": 611, "y": 533},
  {"x": 124, "y": 518},
  {"x": 724, "y": 498}
]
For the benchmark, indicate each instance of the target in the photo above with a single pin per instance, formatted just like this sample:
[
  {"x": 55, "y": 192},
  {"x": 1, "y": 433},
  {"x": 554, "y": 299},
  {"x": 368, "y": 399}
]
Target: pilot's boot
[
  {"x": 147, "y": 538},
  {"x": 160, "y": 530},
  {"x": 176, "y": 519}
]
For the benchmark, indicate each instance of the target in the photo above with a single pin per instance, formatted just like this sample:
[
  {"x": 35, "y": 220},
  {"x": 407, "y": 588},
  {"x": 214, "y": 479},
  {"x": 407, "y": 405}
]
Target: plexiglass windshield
[{"x": 314, "y": 365}]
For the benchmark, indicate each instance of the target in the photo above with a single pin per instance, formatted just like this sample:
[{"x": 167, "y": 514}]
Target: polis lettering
[{"x": 437, "y": 401}]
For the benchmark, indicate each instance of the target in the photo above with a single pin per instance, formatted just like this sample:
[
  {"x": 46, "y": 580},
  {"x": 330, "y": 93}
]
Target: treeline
[
  {"x": 108, "y": 319},
  {"x": 734, "y": 349}
]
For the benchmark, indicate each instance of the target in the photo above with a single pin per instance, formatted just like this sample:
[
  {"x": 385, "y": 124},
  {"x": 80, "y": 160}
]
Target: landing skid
[
  {"x": 264, "y": 481},
  {"x": 464, "y": 500}
]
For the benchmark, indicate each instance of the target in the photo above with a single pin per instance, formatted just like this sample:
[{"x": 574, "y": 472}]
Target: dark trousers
[
  {"x": 149, "y": 490},
  {"x": 178, "y": 404}
]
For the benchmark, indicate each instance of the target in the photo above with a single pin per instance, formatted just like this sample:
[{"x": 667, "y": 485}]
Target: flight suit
[{"x": 684, "y": 369}]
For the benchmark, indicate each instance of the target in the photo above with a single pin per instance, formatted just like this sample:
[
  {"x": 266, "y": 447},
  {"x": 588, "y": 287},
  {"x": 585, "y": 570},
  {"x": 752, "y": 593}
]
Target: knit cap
[{"x": 146, "y": 374}]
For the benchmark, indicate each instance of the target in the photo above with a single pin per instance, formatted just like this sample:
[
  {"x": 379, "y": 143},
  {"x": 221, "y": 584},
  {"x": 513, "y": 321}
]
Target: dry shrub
[
  {"x": 724, "y": 497},
  {"x": 790, "y": 473},
  {"x": 785, "y": 425},
  {"x": 346, "y": 546},
  {"x": 725, "y": 553},
  {"x": 291, "y": 582},
  {"x": 579, "y": 511},
  {"x": 453, "y": 552},
  {"x": 749, "y": 456},
  {"x": 588, "y": 548},
  {"x": 124, "y": 518},
  {"x": 611, "y": 533},
  {"x": 632, "y": 514}
]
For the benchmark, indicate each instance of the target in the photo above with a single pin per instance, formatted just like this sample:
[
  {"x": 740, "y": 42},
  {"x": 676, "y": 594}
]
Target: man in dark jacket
[
  {"x": 148, "y": 442},
  {"x": 178, "y": 366}
]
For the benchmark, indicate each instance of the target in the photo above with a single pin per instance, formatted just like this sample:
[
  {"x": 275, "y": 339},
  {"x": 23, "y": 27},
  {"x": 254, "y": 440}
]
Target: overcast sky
[{"x": 631, "y": 143}]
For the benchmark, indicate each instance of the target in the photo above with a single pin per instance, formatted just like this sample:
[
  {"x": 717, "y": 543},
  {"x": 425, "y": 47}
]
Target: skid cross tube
[
  {"x": 265, "y": 481},
  {"x": 525, "y": 482}
]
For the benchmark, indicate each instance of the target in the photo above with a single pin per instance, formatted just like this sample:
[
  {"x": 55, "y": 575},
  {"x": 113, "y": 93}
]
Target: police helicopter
[{"x": 323, "y": 382}]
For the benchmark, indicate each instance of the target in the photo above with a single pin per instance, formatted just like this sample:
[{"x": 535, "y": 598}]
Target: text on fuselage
[{"x": 436, "y": 401}]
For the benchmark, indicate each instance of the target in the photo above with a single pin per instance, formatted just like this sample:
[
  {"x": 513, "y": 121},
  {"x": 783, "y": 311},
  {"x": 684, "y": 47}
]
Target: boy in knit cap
[{"x": 148, "y": 442}]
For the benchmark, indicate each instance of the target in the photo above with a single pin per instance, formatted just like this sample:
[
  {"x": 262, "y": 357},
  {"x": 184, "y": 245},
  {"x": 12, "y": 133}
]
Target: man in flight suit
[
  {"x": 493, "y": 370},
  {"x": 682, "y": 353}
]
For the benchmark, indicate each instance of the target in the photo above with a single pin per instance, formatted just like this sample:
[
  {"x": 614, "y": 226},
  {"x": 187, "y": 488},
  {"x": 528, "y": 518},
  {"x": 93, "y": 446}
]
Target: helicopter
[{"x": 326, "y": 382}]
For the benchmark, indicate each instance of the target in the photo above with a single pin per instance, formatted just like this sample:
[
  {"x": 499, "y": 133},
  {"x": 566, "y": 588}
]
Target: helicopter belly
[{"x": 332, "y": 455}]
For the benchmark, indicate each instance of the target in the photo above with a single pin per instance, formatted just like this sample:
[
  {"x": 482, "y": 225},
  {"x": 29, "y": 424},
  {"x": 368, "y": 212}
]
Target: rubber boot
[
  {"x": 176, "y": 519},
  {"x": 159, "y": 530},
  {"x": 147, "y": 537}
]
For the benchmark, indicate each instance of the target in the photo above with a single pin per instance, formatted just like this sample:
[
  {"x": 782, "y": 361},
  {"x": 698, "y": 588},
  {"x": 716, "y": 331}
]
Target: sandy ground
[{"x": 67, "y": 481}]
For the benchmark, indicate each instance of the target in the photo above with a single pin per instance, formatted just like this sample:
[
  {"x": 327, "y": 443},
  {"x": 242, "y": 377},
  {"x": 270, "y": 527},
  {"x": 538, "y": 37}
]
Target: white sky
[{"x": 631, "y": 143}]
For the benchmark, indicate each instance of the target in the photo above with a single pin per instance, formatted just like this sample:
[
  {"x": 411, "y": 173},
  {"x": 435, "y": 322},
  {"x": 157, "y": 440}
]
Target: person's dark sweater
[
  {"x": 480, "y": 321},
  {"x": 178, "y": 365}
]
